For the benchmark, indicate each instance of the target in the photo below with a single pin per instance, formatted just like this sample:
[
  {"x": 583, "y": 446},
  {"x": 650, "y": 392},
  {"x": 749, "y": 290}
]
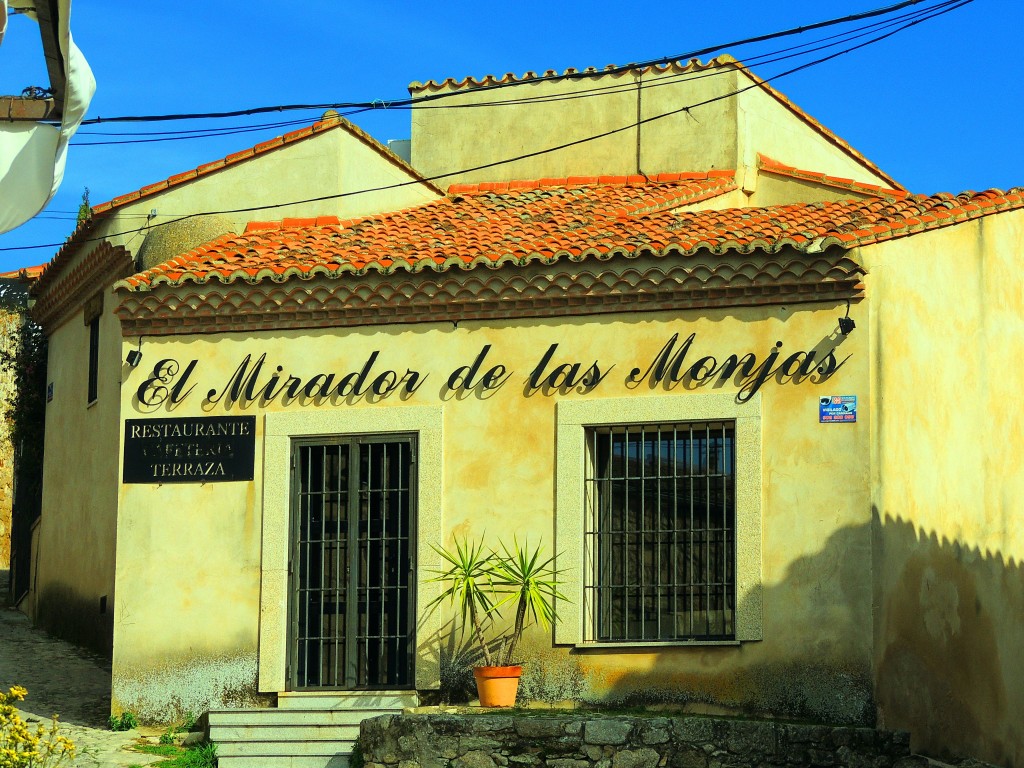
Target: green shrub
[{"x": 123, "y": 722}]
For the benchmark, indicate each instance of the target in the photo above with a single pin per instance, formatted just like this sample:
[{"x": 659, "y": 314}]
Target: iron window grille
[
  {"x": 660, "y": 533},
  {"x": 353, "y": 545}
]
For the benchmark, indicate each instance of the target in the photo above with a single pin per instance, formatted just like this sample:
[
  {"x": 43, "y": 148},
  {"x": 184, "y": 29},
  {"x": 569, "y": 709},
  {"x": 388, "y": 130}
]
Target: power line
[
  {"x": 605, "y": 90},
  {"x": 227, "y": 129},
  {"x": 945, "y": 7},
  {"x": 196, "y": 134},
  {"x": 378, "y": 103}
]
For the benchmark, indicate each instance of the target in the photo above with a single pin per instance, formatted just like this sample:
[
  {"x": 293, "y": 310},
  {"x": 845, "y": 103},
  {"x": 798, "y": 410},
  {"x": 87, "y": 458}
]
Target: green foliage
[
  {"x": 455, "y": 670},
  {"x": 24, "y": 364},
  {"x": 480, "y": 581},
  {"x": 469, "y": 586},
  {"x": 356, "y": 759},
  {"x": 167, "y": 737},
  {"x": 123, "y": 722},
  {"x": 199, "y": 756},
  {"x": 531, "y": 583},
  {"x": 84, "y": 209}
]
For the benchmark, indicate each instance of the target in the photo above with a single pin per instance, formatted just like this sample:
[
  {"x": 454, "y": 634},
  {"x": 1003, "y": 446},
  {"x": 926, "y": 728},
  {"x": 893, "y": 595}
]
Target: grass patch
[
  {"x": 200, "y": 756},
  {"x": 164, "y": 750}
]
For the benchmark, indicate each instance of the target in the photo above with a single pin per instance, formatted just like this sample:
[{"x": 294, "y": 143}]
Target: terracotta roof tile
[
  {"x": 537, "y": 222},
  {"x": 768, "y": 165},
  {"x": 24, "y": 273},
  {"x": 102, "y": 210},
  {"x": 551, "y": 74}
]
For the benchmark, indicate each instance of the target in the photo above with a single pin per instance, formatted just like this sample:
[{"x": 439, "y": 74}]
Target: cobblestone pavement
[{"x": 65, "y": 680}]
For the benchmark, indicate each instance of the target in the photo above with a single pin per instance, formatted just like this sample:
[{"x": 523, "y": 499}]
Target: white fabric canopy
[{"x": 32, "y": 155}]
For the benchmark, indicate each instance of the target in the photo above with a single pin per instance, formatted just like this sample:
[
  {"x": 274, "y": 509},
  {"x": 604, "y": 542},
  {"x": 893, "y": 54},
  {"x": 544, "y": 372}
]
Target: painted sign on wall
[
  {"x": 203, "y": 449},
  {"x": 256, "y": 380},
  {"x": 837, "y": 408}
]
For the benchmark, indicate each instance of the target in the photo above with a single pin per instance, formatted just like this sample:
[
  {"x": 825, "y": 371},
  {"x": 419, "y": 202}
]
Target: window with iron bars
[{"x": 661, "y": 532}]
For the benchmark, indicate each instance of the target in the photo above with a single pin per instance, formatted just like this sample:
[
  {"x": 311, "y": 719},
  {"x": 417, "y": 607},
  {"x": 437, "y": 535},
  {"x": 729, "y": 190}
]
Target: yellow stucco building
[{"x": 755, "y": 395}]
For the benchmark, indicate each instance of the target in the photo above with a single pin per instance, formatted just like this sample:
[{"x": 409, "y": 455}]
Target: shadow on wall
[
  {"x": 549, "y": 674},
  {"x": 813, "y": 663},
  {"x": 65, "y": 613},
  {"x": 949, "y": 650},
  {"x": 941, "y": 654}
]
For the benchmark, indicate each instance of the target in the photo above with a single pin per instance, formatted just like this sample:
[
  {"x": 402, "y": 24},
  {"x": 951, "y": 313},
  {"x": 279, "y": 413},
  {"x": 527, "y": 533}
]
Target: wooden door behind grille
[{"x": 352, "y": 561}]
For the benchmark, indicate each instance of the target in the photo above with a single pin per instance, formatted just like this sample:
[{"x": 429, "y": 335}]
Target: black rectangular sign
[{"x": 201, "y": 449}]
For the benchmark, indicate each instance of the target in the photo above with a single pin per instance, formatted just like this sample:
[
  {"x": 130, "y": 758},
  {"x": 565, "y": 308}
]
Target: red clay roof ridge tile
[
  {"x": 586, "y": 181},
  {"x": 769, "y": 165},
  {"x": 693, "y": 65},
  {"x": 24, "y": 273},
  {"x": 817, "y": 126},
  {"x": 383, "y": 150},
  {"x": 303, "y": 223}
]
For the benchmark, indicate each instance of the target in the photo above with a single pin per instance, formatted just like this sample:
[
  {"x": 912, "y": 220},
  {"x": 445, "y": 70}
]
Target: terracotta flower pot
[{"x": 497, "y": 686}]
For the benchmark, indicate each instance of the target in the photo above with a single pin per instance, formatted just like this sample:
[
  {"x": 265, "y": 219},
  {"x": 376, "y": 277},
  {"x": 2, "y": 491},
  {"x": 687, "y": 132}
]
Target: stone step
[
  {"x": 289, "y": 732},
  {"x": 306, "y": 730},
  {"x": 286, "y": 717},
  {"x": 347, "y": 699},
  {"x": 326, "y": 749},
  {"x": 317, "y": 761}
]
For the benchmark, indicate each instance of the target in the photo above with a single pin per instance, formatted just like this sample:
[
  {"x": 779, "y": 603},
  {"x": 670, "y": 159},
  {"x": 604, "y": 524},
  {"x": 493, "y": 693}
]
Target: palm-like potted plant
[{"x": 480, "y": 581}]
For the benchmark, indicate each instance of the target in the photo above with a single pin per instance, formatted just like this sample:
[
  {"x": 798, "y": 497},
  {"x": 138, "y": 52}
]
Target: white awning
[{"x": 32, "y": 155}]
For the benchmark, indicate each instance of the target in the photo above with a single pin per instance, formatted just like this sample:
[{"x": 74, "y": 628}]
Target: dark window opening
[
  {"x": 661, "y": 532},
  {"x": 94, "y": 358},
  {"x": 92, "y": 311},
  {"x": 353, "y": 545}
]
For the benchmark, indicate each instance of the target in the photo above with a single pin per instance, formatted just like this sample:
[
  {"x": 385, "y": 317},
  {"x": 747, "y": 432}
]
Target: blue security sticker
[{"x": 835, "y": 408}]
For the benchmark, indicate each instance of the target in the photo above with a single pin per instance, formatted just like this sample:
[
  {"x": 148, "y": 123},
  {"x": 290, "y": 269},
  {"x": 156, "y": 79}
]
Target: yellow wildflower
[{"x": 19, "y": 747}]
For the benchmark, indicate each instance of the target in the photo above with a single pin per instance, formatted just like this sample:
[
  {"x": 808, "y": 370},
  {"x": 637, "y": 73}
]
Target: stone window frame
[
  {"x": 573, "y": 418},
  {"x": 280, "y": 428}
]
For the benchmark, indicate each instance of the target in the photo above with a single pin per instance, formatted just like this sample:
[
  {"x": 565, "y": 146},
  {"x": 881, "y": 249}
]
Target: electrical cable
[
  {"x": 766, "y": 58},
  {"x": 228, "y": 129},
  {"x": 498, "y": 85},
  {"x": 192, "y": 135},
  {"x": 947, "y": 7}
]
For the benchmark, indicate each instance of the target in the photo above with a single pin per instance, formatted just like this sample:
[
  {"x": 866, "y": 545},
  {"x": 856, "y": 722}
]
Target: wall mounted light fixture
[
  {"x": 846, "y": 323},
  {"x": 133, "y": 358}
]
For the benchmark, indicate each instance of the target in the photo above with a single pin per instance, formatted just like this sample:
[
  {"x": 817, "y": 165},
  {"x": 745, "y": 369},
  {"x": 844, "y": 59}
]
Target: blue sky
[{"x": 938, "y": 106}]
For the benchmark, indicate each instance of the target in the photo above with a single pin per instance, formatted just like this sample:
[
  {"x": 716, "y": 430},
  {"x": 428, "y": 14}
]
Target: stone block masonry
[{"x": 590, "y": 740}]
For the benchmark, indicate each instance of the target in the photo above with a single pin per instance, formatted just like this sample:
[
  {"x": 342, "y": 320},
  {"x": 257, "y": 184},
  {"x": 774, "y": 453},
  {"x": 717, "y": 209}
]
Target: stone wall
[{"x": 523, "y": 739}]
